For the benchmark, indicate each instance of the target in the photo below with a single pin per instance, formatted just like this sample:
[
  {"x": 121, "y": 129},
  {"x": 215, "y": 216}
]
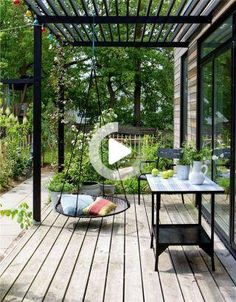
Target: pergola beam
[
  {"x": 130, "y": 44},
  {"x": 124, "y": 19}
]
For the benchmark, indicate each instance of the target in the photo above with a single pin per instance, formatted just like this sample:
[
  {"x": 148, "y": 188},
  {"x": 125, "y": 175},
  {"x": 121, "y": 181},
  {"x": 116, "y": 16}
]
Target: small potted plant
[
  {"x": 198, "y": 158},
  {"x": 56, "y": 185},
  {"x": 183, "y": 165}
]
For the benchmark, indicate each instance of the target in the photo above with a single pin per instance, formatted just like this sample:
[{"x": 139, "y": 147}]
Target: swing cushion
[
  {"x": 69, "y": 201},
  {"x": 100, "y": 207}
]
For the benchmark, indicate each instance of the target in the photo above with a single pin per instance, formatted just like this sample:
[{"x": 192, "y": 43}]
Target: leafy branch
[{"x": 22, "y": 214}]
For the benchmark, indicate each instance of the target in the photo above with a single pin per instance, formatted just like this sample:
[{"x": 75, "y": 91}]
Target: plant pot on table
[{"x": 183, "y": 172}]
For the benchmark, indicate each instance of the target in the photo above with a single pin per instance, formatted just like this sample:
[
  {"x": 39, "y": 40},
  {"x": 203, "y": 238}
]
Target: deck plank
[
  {"x": 187, "y": 280},
  {"x": 40, "y": 284},
  {"x": 14, "y": 269},
  {"x": 115, "y": 275},
  {"x": 151, "y": 280},
  {"x": 22, "y": 241},
  {"x": 57, "y": 288},
  {"x": 30, "y": 271},
  {"x": 223, "y": 280},
  {"x": 97, "y": 279},
  {"x": 169, "y": 282},
  {"x": 203, "y": 276},
  {"x": 78, "y": 281},
  {"x": 133, "y": 277}
]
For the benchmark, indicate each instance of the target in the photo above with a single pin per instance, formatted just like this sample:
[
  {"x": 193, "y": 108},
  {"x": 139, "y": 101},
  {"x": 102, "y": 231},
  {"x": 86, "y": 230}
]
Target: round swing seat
[{"x": 71, "y": 210}]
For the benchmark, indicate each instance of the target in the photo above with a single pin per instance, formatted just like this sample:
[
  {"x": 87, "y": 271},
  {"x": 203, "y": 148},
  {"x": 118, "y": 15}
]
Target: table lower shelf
[{"x": 182, "y": 234}]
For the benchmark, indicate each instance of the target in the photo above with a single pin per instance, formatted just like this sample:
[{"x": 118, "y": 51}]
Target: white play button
[{"x": 117, "y": 151}]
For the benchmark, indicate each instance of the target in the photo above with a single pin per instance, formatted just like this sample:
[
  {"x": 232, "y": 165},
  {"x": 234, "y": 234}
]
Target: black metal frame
[
  {"x": 68, "y": 19},
  {"x": 229, "y": 240},
  {"x": 124, "y": 19},
  {"x": 181, "y": 234},
  {"x": 37, "y": 124},
  {"x": 183, "y": 101},
  {"x": 74, "y": 26}
]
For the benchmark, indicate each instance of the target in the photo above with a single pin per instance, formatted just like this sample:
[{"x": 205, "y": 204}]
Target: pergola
[{"x": 108, "y": 24}]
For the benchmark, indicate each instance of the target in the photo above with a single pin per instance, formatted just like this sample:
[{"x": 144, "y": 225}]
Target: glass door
[
  {"x": 216, "y": 96},
  {"x": 206, "y": 114},
  {"x": 222, "y": 119}
]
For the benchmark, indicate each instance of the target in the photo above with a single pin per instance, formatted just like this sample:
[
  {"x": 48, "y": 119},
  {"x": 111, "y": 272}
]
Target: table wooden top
[{"x": 174, "y": 185}]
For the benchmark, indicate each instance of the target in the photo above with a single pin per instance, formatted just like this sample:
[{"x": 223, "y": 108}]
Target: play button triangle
[{"x": 117, "y": 151}]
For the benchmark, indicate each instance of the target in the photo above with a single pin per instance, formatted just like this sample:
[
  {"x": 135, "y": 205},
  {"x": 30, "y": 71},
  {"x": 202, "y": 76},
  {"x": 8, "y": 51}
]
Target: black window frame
[{"x": 183, "y": 98}]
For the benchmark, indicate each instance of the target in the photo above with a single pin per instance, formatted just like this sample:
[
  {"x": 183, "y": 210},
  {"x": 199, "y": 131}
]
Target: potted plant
[
  {"x": 57, "y": 185},
  {"x": 183, "y": 165},
  {"x": 198, "y": 157},
  {"x": 108, "y": 187}
]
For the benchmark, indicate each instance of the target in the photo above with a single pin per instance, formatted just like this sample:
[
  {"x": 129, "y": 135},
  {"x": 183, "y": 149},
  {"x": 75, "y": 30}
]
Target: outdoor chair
[
  {"x": 162, "y": 153},
  {"x": 225, "y": 155}
]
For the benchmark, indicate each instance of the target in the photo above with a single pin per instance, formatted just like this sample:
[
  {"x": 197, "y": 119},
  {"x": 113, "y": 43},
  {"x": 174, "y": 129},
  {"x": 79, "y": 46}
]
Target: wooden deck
[{"x": 110, "y": 260}]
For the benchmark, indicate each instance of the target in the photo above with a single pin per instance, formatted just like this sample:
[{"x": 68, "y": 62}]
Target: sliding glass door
[
  {"x": 216, "y": 128},
  {"x": 222, "y": 134},
  {"x": 216, "y": 83}
]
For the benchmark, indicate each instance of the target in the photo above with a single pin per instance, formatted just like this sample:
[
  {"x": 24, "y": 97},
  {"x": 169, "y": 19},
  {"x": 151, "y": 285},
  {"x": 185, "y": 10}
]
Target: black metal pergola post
[{"x": 37, "y": 124}]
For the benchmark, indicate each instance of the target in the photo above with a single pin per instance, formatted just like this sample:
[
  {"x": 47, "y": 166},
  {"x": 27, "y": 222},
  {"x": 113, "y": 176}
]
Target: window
[
  {"x": 184, "y": 99},
  {"x": 221, "y": 35}
]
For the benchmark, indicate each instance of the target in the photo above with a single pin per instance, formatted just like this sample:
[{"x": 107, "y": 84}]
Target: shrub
[{"x": 59, "y": 183}]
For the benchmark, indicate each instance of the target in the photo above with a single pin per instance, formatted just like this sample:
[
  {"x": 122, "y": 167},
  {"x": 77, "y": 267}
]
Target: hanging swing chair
[{"x": 84, "y": 205}]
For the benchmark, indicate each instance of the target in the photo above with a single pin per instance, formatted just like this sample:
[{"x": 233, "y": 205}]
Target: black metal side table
[{"x": 181, "y": 234}]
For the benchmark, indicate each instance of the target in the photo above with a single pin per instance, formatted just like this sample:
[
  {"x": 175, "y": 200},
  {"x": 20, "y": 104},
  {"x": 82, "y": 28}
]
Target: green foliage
[
  {"x": 224, "y": 182},
  {"x": 59, "y": 183},
  {"x": 186, "y": 154},
  {"x": 131, "y": 186},
  {"x": 192, "y": 154},
  {"x": 22, "y": 214},
  {"x": 149, "y": 150},
  {"x": 14, "y": 149}
]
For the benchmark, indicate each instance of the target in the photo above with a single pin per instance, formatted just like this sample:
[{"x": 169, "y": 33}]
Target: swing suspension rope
[{"x": 122, "y": 203}]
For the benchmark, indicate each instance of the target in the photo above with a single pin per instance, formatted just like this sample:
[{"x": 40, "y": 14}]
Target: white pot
[
  {"x": 196, "y": 176},
  {"x": 54, "y": 196},
  {"x": 182, "y": 172}
]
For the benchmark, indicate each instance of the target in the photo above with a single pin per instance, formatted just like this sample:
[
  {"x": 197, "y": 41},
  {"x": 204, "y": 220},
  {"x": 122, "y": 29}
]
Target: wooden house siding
[{"x": 192, "y": 80}]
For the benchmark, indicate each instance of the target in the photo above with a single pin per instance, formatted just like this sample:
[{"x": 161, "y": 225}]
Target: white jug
[{"x": 196, "y": 176}]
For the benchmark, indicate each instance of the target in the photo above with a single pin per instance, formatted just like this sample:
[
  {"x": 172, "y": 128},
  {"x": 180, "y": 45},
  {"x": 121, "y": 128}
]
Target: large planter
[
  {"x": 107, "y": 189},
  {"x": 54, "y": 196},
  {"x": 196, "y": 176},
  {"x": 182, "y": 172},
  {"x": 90, "y": 188}
]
